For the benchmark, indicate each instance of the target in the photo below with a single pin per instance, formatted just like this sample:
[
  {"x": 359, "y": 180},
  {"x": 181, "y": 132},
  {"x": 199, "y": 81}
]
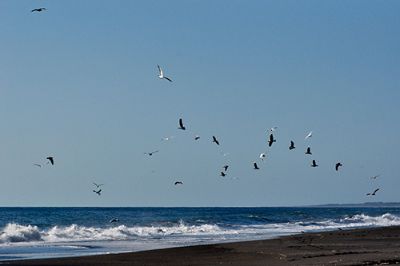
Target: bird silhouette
[
  {"x": 308, "y": 151},
  {"x": 291, "y": 147},
  {"x": 178, "y": 183},
  {"x": 114, "y": 220},
  {"x": 314, "y": 163},
  {"x": 309, "y": 135},
  {"x": 375, "y": 176},
  {"x": 97, "y": 185},
  {"x": 271, "y": 140},
  {"x": 223, "y": 174},
  {"x": 161, "y": 74},
  {"x": 181, "y": 126},
  {"x": 38, "y": 165},
  {"x": 151, "y": 153},
  {"x": 255, "y": 166},
  {"x": 38, "y": 9},
  {"x": 98, "y": 192},
  {"x": 262, "y": 156},
  {"x": 197, "y": 137},
  {"x": 225, "y": 167},
  {"x": 215, "y": 140},
  {"x": 373, "y": 193},
  {"x": 51, "y": 160},
  {"x": 338, "y": 165}
]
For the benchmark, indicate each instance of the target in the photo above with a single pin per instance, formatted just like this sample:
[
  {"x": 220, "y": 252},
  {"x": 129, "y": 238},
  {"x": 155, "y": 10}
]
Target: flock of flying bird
[
  {"x": 223, "y": 173},
  {"x": 271, "y": 141}
]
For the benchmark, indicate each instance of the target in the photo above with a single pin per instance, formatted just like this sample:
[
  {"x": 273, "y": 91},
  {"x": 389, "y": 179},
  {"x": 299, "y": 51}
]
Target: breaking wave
[{"x": 16, "y": 233}]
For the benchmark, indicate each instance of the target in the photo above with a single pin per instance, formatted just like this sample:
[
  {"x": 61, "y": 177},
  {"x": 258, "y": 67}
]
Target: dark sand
[{"x": 378, "y": 246}]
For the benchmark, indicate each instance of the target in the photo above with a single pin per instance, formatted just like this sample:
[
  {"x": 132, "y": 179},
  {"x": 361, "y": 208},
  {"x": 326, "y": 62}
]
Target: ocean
[{"x": 28, "y": 233}]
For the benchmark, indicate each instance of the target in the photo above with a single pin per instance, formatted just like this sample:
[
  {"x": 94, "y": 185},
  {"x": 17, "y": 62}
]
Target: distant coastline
[
  {"x": 328, "y": 205},
  {"x": 359, "y": 205}
]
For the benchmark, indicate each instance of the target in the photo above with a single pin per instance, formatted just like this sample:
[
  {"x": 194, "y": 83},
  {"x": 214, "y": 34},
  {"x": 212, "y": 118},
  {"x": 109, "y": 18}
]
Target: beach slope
[{"x": 376, "y": 246}]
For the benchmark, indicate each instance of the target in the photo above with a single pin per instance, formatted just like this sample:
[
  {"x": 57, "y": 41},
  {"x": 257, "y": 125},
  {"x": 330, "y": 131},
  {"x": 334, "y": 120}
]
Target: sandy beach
[{"x": 377, "y": 246}]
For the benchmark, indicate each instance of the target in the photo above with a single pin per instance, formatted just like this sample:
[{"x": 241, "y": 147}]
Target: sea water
[{"x": 27, "y": 233}]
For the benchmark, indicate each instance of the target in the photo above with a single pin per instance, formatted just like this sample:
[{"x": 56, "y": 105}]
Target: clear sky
[{"x": 79, "y": 82}]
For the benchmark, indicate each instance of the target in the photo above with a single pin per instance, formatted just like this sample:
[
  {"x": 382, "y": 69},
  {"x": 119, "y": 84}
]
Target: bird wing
[
  {"x": 181, "y": 122},
  {"x": 170, "y": 80},
  {"x": 51, "y": 160},
  {"x": 308, "y": 135},
  {"x": 376, "y": 190},
  {"x": 160, "y": 70}
]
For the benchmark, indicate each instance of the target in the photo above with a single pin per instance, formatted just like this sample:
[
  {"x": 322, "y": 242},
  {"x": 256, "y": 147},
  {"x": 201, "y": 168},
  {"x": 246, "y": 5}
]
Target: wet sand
[{"x": 377, "y": 246}]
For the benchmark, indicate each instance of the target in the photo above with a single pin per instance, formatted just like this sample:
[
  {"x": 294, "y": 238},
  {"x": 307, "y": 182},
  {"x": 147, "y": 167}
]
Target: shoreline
[{"x": 364, "y": 246}]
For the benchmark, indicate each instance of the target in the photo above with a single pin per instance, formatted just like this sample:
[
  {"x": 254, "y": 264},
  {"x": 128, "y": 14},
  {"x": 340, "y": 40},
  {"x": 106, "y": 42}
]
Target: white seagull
[
  {"x": 161, "y": 74},
  {"x": 309, "y": 135}
]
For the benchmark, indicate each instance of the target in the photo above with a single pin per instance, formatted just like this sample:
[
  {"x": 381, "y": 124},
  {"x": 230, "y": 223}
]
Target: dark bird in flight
[
  {"x": 197, "y": 137},
  {"x": 291, "y": 147},
  {"x": 255, "y": 166},
  {"x": 39, "y": 9},
  {"x": 51, "y": 160},
  {"x": 178, "y": 183},
  {"x": 373, "y": 193},
  {"x": 308, "y": 151},
  {"x": 98, "y": 185},
  {"x": 215, "y": 140},
  {"x": 222, "y": 174},
  {"x": 314, "y": 163},
  {"x": 38, "y": 165},
  {"x": 226, "y": 167},
  {"x": 338, "y": 165},
  {"x": 98, "y": 192},
  {"x": 181, "y": 126},
  {"x": 161, "y": 74},
  {"x": 271, "y": 140},
  {"x": 151, "y": 153},
  {"x": 114, "y": 220}
]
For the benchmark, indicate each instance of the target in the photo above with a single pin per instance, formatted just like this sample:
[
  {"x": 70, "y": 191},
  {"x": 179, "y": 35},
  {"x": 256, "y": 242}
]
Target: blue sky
[{"x": 79, "y": 82}]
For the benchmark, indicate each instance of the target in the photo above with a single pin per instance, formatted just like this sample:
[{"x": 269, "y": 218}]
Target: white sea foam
[
  {"x": 19, "y": 233},
  {"x": 13, "y": 233}
]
